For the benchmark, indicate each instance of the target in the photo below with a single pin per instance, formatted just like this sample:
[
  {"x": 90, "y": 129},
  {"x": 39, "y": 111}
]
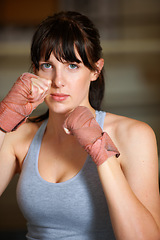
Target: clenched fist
[
  {"x": 26, "y": 94},
  {"x": 82, "y": 124}
]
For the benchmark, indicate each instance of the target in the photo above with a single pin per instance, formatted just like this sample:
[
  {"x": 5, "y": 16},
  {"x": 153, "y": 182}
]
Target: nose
[{"x": 58, "y": 79}]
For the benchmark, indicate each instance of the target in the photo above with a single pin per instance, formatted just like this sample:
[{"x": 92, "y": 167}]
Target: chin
[{"x": 64, "y": 110}]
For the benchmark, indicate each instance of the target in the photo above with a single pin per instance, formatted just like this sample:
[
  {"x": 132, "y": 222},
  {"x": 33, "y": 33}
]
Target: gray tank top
[{"x": 72, "y": 210}]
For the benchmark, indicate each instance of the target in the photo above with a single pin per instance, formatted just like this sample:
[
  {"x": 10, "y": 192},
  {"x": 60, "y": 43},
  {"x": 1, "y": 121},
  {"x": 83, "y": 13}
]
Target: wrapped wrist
[
  {"x": 15, "y": 107},
  {"x": 102, "y": 149},
  {"x": 9, "y": 119}
]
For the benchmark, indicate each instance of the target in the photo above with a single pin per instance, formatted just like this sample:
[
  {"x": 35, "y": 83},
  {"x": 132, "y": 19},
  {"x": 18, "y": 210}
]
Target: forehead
[{"x": 59, "y": 57}]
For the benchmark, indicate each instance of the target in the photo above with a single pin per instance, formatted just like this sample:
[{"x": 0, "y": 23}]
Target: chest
[
  {"x": 78, "y": 203},
  {"x": 60, "y": 162}
]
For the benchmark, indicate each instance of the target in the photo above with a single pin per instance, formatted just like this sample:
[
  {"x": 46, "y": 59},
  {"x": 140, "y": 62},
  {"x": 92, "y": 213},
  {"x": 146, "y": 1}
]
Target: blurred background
[{"x": 130, "y": 36}]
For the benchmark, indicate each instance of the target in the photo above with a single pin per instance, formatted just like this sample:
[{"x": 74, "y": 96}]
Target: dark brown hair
[{"x": 61, "y": 34}]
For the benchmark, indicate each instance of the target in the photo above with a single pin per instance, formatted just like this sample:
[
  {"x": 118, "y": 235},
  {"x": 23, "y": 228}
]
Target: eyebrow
[
  {"x": 64, "y": 61},
  {"x": 43, "y": 61},
  {"x": 74, "y": 62}
]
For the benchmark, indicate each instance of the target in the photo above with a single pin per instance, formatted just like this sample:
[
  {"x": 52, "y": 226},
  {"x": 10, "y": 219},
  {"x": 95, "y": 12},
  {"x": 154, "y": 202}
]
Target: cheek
[
  {"x": 85, "y": 84},
  {"x": 83, "y": 80},
  {"x": 43, "y": 74},
  {"x": 80, "y": 88}
]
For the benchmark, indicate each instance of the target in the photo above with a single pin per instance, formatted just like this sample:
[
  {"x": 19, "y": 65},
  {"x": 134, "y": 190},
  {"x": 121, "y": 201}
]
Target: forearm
[{"x": 130, "y": 219}]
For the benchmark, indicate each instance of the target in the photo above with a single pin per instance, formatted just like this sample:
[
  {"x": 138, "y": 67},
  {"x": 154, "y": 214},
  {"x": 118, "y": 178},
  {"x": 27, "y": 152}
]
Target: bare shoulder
[
  {"x": 20, "y": 139},
  {"x": 127, "y": 129},
  {"x": 121, "y": 123},
  {"x": 131, "y": 136}
]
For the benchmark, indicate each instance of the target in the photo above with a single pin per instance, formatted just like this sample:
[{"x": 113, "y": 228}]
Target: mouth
[{"x": 59, "y": 97}]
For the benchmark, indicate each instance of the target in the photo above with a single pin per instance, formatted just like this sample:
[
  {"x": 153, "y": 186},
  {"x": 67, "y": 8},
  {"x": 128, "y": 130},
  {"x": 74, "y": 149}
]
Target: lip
[{"x": 59, "y": 97}]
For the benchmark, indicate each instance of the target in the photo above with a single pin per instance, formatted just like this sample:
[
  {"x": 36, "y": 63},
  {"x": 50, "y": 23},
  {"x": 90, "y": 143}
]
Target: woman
[{"x": 62, "y": 191}]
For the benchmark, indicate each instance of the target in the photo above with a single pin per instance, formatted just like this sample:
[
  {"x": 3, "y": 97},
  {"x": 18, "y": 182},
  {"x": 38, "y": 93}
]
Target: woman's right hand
[{"x": 26, "y": 94}]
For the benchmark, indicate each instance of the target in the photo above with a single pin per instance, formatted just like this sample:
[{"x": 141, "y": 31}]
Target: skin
[{"x": 130, "y": 182}]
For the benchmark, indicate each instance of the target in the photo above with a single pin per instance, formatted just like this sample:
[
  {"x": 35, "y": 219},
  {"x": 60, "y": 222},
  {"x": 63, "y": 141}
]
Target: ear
[{"x": 99, "y": 64}]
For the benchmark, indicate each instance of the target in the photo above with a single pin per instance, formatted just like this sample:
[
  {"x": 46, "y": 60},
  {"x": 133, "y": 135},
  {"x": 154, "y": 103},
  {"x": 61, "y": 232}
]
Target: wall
[{"x": 130, "y": 32}]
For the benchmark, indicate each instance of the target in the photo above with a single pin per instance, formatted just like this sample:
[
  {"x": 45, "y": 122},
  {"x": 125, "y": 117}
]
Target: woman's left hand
[{"x": 82, "y": 124}]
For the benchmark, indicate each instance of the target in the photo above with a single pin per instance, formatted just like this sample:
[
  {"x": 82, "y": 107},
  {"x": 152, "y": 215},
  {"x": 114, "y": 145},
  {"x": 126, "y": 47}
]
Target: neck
[{"x": 55, "y": 125}]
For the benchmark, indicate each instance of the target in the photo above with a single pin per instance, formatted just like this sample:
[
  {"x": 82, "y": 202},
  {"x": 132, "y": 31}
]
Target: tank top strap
[
  {"x": 36, "y": 142},
  {"x": 41, "y": 130},
  {"x": 38, "y": 136},
  {"x": 100, "y": 116}
]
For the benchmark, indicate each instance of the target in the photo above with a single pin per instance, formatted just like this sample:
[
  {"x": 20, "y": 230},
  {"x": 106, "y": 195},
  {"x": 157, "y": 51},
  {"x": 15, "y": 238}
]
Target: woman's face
[{"x": 70, "y": 83}]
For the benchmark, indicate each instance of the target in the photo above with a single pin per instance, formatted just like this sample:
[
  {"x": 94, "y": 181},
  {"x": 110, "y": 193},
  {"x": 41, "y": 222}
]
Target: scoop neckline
[{"x": 70, "y": 179}]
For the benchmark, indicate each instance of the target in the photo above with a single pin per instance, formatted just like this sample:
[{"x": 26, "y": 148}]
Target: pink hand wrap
[
  {"x": 82, "y": 124},
  {"x": 19, "y": 103}
]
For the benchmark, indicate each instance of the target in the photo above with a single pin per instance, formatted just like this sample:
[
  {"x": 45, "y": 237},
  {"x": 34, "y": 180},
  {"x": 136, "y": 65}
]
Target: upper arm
[
  {"x": 140, "y": 166},
  {"x": 8, "y": 162},
  {"x": 13, "y": 151}
]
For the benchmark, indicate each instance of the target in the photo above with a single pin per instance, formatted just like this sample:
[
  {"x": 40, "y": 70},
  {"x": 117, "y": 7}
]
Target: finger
[
  {"x": 35, "y": 104},
  {"x": 37, "y": 94},
  {"x": 39, "y": 89},
  {"x": 42, "y": 82}
]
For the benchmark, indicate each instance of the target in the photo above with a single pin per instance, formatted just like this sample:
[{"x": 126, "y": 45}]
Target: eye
[
  {"x": 73, "y": 66},
  {"x": 45, "y": 66}
]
